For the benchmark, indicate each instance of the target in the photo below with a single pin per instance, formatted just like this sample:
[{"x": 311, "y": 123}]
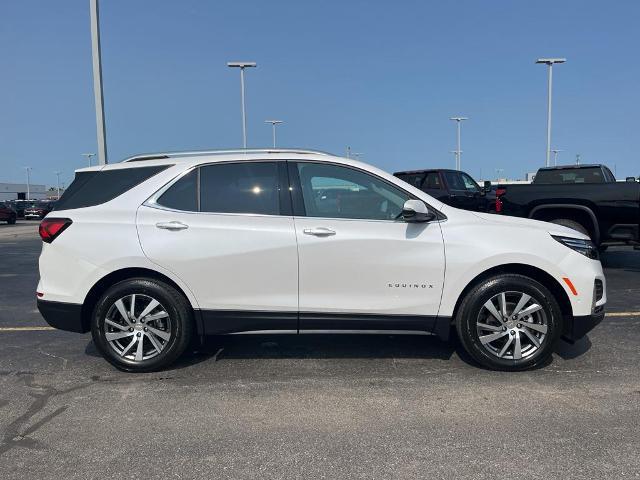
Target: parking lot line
[
  {"x": 25, "y": 329},
  {"x": 46, "y": 329}
]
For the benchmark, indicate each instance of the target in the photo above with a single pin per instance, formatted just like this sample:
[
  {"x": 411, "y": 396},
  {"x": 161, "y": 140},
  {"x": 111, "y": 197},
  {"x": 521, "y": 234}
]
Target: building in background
[{"x": 18, "y": 191}]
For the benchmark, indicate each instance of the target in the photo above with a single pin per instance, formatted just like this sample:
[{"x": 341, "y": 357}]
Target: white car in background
[{"x": 156, "y": 250}]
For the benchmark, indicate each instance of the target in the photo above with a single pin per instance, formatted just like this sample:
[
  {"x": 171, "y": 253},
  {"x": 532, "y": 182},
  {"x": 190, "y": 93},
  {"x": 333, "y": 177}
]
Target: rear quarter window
[{"x": 89, "y": 189}]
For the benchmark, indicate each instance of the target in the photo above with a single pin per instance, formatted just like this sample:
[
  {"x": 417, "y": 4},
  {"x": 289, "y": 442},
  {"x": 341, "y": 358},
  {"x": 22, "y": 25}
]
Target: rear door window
[
  {"x": 93, "y": 188},
  {"x": 244, "y": 187}
]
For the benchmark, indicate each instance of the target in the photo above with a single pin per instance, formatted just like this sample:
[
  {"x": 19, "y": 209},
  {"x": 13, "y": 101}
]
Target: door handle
[
  {"x": 173, "y": 226},
  {"x": 319, "y": 232}
]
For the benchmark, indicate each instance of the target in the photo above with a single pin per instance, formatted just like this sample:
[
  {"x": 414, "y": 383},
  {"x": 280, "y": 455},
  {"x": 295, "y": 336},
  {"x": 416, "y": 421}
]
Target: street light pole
[
  {"x": 273, "y": 126},
  {"x": 458, "y": 121},
  {"x": 58, "y": 183},
  {"x": 242, "y": 66},
  {"x": 555, "y": 157},
  {"x": 549, "y": 62},
  {"x": 97, "y": 81},
  {"x": 28, "y": 169},
  {"x": 89, "y": 156}
]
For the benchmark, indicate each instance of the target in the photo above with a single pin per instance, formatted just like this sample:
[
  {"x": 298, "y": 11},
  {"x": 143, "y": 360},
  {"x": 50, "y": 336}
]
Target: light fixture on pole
[
  {"x": 555, "y": 157},
  {"x": 89, "y": 156},
  {"x": 274, "y": 123},
  {"x": 58, "y": 183},
  {"x": 458, "y": 121},
  {"x": 28, "y": 169},
  {"x": 242, "y": 66},
  {"x": 549, "y": 62},
  {"x": 348, "y": 152}
]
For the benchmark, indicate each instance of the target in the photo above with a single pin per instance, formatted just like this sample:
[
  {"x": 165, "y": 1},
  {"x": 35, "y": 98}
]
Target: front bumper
[
  {"x": 64, "y": 316},
  {"x": 577, "y": 327}
]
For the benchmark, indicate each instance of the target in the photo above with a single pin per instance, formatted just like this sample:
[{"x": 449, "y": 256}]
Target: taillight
[{"x": 50, "y": 228}]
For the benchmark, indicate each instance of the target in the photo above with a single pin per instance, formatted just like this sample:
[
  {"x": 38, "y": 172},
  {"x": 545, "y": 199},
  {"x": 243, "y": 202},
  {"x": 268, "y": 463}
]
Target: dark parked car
[
  {"x": 452, "y": 187},
  {"x": 586, "y": 198},
  {"x": 7, "y": 214},
  {"x": 38, "y": 210}
]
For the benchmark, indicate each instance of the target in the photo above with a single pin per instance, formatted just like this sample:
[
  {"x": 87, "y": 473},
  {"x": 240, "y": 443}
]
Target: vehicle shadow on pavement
[
  {"x": 332, "y": 346},
  {"x": 568, "y": 351},
  {"x": 316, "y": 346}
]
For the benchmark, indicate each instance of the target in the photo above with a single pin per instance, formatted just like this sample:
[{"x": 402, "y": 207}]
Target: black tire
[
  {"x": 472, "y": 308},
  {"x": 565, "y": 222},
  {"x": 12, "y": 220},
  {"x": 180, "y": 319}
]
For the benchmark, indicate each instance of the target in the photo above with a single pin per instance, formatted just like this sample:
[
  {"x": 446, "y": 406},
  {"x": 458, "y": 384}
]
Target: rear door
[{"x": 226, "y": 230}]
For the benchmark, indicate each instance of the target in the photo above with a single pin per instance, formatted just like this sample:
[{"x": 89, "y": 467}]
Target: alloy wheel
[
  {"x": 512, "y": 325},
  {"x": 137, "y": 327}
]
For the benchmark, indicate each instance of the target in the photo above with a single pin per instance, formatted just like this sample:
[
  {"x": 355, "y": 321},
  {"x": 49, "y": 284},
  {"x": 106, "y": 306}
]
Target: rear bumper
[
  {"x": 64, "y": 316},
  {"x": 577, "y": 327}
]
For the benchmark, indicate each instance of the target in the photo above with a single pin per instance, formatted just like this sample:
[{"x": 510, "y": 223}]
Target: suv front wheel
[
  {"x": 509, "y": 322},
  {"x": 142, "y": 325}
]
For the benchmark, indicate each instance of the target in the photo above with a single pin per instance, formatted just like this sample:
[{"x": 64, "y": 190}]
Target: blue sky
[{"x": 380, "y": 76}]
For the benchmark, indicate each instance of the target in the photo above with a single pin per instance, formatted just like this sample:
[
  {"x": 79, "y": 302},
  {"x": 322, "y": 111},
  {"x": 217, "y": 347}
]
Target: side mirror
[
  {"x": 414, "y": 211},
  {"x": 631, "y": 179},
  {"x": 487, "y": 186}
]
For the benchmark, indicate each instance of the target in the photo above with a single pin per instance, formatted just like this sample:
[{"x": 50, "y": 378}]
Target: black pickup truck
[
  {"x": 452, "y": 187},
  {"x": 586, "y": 198}
]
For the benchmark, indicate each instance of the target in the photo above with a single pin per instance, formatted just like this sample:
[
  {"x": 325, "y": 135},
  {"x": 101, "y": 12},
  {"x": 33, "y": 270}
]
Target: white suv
[{"x": 155, "y": 251}]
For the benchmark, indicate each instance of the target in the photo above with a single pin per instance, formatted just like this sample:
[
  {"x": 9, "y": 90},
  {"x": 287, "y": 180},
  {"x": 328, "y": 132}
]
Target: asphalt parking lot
[{"x": 314, "y": 406}]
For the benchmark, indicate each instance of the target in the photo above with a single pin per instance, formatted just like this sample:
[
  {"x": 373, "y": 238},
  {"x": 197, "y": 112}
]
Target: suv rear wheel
[
  {"x": 509, "y": 322},
  {"x": 142, "y": 325}
]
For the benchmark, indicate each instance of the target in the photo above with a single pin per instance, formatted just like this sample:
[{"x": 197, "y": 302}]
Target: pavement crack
[
  {"x": 17, "y": 432},
  {"x": 64, "y": 360}
]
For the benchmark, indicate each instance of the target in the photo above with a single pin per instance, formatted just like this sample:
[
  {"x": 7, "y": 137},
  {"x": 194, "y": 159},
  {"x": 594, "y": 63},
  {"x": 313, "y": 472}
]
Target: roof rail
[{"x": 194, "y": 153}]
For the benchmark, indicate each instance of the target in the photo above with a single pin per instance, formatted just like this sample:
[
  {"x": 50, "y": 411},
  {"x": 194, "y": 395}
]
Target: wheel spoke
[
  {"x": 154, "y": 342},
  {"x": 535, "y": 326},
  {"x": 529, "y": 310},
  {"x": 160, "y": 333},
  {"x": 517, "y": 350},
  {"x": 532, "y": 337},
  {"x": 491, "y": 337},
  {"x": 116, "y": 325},
  {"x": 128, "y": 347},
  {"x": 155, "y": 316},
  {"x": 111, "y": 336},
  {"x": 149, "y": 308},
  {"x": 506, "y": 346},
  {"x": 140, "y": 349},
  {"x": 492, "y": 310},
  {"x": 502, "y": 302},
  {"x": 132, "y": 310},
  {"x": 486, "y": 326},
  {"x": 123, "y": 311},
  {"x": 521, "y": 303}
]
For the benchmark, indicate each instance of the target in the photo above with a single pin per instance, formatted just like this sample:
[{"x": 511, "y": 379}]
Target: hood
[{"x": 552, "y": 228}]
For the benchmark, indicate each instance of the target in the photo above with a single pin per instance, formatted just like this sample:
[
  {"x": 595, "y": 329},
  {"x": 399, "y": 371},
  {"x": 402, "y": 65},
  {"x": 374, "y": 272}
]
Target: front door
[
  {"x": 360, "y": 265},
  {"x": 234, "y": 244}
]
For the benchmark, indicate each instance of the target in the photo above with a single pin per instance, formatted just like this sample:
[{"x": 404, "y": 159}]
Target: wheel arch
[
  {"x": 546, "y": 212},
  {"x": 116, "y": 276},
  {"x": 535, "y": 273}
]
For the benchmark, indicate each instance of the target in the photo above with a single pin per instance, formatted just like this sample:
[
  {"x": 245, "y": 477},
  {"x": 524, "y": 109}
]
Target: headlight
[{"x": 585, "y": 247}]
